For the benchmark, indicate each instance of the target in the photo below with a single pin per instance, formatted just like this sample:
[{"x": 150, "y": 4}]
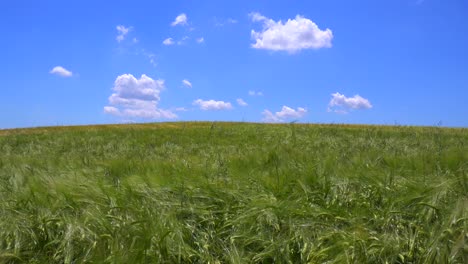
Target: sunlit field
[{"x": 234, "y": 193}]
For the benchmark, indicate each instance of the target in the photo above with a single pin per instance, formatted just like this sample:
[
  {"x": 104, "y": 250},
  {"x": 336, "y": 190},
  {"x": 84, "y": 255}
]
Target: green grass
[{"x": 234, "y": 193}]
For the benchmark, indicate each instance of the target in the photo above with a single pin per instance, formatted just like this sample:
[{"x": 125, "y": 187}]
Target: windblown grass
[{"x": 234, "y": 193}]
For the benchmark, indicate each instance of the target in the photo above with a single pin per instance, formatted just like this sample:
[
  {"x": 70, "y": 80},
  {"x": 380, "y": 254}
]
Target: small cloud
[
  {"x": 182, "y": 41},
  {"x": 168, "y": 41},
  {"x": 256, "y": 17},
  {"x": 111, "y": 110},
  {"x": 292, "y": 36},
  {"x": 338, "y": 111},
  {"x": 180, "y": 20},
  {"x": 220, "y": 23},
  {"x": 341, "y": 104},
  {"x": 135, "y": 40},
  {"x": 137, "y": 98},
  {"x": 59, "y": 70},
  {"x": 255, "y": 93},
  {"x": 200, "y": 40},
  {"x": 122, "y": 32},
  {"x": 286, "y": 113},
  {"x": 181, "y": 109},
  {"x": 151, "y": 58},
  {"x": 241, "y": 102},
  {"x": 186, "y": 83},
  {"x": 212, "y": 105}
]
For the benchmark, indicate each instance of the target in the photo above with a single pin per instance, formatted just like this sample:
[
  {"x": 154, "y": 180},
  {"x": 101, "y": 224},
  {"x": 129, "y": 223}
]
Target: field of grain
[{"x": 234, "y": 193}]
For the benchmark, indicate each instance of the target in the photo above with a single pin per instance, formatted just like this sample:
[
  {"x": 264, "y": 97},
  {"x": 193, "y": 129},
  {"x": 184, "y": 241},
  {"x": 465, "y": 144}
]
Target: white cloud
[
  {"x": 340, "y": 103},
  {"x": 283, "y": 115},
  {"x": 241, "y": 102},
  {"x": 292, "y": 36},
  {"x": 270, "y": 117},
  {"x": 122, "y": 32},
  {"x": 212, "y": 105},
  {"x": 255, "y": 93},
  {"x": 186, "y": 83},
  {"x": 256, "y": 17},
  {"x": 134, "y": 97},
  {"x": 287, "y": 112},
  {"x": 180, "y": 20},
  {"x": 200, "y": 40},
  {"x": 111, "y": 110},
  {"x": 168, "y": 41},
  {"x": 59, "y": 70}
]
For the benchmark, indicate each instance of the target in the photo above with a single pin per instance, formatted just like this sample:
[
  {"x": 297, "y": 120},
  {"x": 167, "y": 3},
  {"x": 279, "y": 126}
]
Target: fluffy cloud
[
  {"x": 255, "y": 93},
  {"x": 111, "y": 110},
  {"x": 292, "y": 36},
  {"x": 134, "y": 97},
  {"x": 186, "y": 83},
  {"x": 180, "y": 20},
  {"x": 59, "y": 70},
  {"x": 168, "y": 41},
  {"x": 122, "y": 32},
  {"x": 256, "y": 17},
  {"x": 340, "y": 103},
  {"x": 200, "y": 40},
  {"x": 241, "y": 102},
  {"x": 287, "y": 112},
  {"x": 269, "y": 117},
  {"x": 212, "y": 105},
  {"x": 283, "y": 115}
]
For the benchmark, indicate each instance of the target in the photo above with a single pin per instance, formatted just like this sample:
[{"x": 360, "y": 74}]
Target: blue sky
[{"x": 370, "y": 62}]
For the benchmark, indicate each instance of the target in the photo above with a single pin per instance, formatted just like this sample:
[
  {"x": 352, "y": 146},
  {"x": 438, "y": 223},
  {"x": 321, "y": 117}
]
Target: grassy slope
[{"x": 234, "y": 193}]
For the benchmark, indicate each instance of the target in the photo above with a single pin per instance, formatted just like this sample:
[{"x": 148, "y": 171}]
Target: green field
[{"x": 234, "y": 193}]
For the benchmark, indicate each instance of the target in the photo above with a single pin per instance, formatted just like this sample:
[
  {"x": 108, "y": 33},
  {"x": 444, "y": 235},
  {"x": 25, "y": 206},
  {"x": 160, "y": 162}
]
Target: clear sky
[{"x": 323, "y": 61}]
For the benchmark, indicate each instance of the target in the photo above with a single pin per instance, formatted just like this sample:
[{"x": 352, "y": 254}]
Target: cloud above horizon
[
  {"x": 286, "y": 113},
  {"x": 61, "y": 71},
  {"x": 212, "y": 105},
  {"x": 138, "y": 98},
  {"x": 292, "y": 36},
  {"x": 339, "y": 103}
]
